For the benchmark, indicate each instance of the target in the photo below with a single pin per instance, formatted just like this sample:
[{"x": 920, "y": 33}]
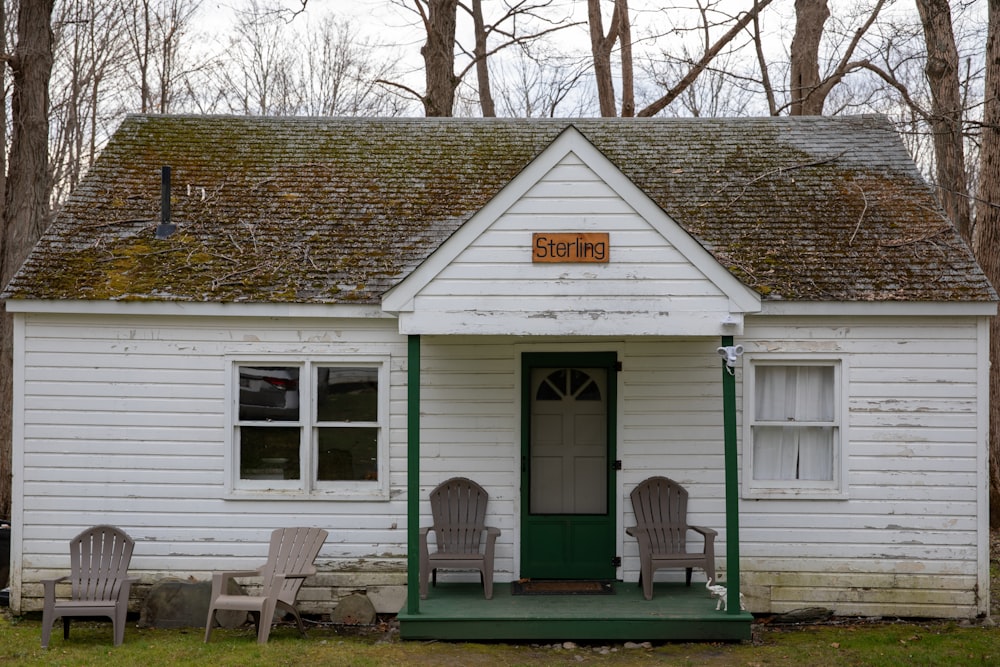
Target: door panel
[{"x": 567, "y": 512}]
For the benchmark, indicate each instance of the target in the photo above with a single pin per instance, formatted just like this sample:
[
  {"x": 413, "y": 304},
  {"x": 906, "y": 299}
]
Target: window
[
  {"x": 794, "y": 428},
  {"x": 309, "y": 427}
]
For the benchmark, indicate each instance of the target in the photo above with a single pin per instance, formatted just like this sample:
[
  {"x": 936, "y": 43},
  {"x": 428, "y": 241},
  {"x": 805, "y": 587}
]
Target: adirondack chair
[
  {"x": 98, "y": 562},
  {"x": 458, "y": 509},
  {"x": 289, "y": 561},
  {"x": 660, "y": 507}
]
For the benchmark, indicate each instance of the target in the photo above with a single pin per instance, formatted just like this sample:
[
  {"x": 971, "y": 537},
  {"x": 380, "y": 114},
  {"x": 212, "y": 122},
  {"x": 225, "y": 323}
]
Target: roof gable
[{"x": 482, "y": 279}]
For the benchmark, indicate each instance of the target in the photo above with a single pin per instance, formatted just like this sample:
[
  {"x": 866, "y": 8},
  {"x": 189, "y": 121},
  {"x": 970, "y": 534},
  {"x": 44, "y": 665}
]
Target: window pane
[
  {"x": 269, "y": 453},
  {"x": 347, "y": 454},
  {"x": 794, "y": 393},
  {"x": 793, "y": 452},
  {"x": 347, "y": 394},
  {"x": 269, "y": 393}
]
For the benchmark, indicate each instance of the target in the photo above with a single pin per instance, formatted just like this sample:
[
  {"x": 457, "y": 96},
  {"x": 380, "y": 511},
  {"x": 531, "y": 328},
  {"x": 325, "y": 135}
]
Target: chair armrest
[
  {"x": 220, "y": 580},
  {"x": 424, "y": 549},
  {"x": 123, "y": 586},
  {"x": 707, "y": 532},
  {"x": 641, "y": 534}
]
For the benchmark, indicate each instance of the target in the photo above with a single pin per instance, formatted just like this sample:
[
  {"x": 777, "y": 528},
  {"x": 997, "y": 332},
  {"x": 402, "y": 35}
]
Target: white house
[{"x": 339, "y": 314}]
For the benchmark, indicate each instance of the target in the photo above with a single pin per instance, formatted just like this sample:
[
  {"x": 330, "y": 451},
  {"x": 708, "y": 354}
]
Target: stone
[
  {"x": 354, "y": 609},
  {"x": 178, "y": 603}
]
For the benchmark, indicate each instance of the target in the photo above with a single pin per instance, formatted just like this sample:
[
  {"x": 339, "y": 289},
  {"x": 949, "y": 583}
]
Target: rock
[
  {"x": 176, "y": 603},
  {"x": 355, "y": 609}
]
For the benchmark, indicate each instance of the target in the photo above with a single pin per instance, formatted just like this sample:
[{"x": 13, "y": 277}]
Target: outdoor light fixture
[{"x": 730, "y": 353}]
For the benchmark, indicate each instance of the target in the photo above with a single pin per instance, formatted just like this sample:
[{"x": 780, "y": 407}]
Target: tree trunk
[
  {"x": 946, "y": 112},
  {"x": 26, "y": 203},
  {"x": 810, "y": 16},
  {"x": 986, "y": 238},
  {"x": 482, "y": 65},
  {"x": 601, "y": 47},
  {"x": 439, "y": 57},
  {"x": 628, "y": 77}
]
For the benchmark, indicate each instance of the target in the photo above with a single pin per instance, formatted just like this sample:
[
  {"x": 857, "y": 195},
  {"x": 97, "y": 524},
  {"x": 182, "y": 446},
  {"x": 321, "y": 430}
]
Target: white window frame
[
  {"x": 835, "y": 488},
  {"x": 307, "y": 486}
]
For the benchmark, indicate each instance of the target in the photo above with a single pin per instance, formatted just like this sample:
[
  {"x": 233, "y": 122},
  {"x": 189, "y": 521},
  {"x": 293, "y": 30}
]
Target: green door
[{"x": 567, "y": 471}]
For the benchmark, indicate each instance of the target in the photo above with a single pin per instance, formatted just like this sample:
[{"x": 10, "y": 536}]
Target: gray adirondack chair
[
  {"x": 458, "y": 510},
  {"x": 289, "y": 561},
  {"x": 660, "y": 506},
  {"x": 99, "y": 586}
]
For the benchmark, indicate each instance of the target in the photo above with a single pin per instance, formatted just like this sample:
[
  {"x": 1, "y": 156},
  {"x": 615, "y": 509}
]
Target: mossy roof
[{"x": 338, "y": 210}]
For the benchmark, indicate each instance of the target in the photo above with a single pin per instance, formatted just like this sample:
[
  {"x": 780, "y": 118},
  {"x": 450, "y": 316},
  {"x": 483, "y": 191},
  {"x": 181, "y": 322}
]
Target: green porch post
[
  {"x": 732, "y": 485},
  {"x": 413, "y": 475}
]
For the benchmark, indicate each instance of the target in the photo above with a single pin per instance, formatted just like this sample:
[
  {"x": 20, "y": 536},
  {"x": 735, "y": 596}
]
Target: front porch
[{"x": 458, "y": 612}]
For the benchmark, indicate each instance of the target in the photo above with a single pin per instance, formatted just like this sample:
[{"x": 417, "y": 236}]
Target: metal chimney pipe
[{"x": 165, "y": 228}]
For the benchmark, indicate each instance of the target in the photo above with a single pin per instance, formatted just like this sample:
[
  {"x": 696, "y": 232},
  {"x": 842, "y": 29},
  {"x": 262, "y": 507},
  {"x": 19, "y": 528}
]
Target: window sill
[
  {"x": 794, "y": 494},
  {"x": 346, "y": 495}
]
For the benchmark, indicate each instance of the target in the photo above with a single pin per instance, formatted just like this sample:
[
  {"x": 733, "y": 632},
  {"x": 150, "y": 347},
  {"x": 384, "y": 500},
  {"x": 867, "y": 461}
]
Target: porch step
[{"x": 458, "y": 612}]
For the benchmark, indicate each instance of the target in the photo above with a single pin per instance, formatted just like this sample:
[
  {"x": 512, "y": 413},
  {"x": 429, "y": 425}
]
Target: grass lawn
[{"x": 842, "y": 642}]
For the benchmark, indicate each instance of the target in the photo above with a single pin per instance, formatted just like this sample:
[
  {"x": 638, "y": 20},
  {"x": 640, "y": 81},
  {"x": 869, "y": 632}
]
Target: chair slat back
[
  {"x": 660, "y": 506},
  {"x": 99, "y": 560},
  {"x": 458, "y": 507},
  {"x": 292, "y": 551}
]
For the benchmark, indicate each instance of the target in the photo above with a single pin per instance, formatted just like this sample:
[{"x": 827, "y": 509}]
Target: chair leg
[
  {"x": 487, "y": 578},
  {"x": 118, "y": 627},
  {"x": 209, "y": 623},
  {"x": 264, "y": 624},
  {"x": 687, "y": 576},
  {"x": 65, "y": 627},
  {"x": 298, "y": 622},
  {"x": 47, "y": 621},
  {"x": 646, "y": 578}
]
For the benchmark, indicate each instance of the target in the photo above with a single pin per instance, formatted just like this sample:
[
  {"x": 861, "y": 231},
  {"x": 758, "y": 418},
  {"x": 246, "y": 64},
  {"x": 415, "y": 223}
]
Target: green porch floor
[{"x": 458, "y": 612}]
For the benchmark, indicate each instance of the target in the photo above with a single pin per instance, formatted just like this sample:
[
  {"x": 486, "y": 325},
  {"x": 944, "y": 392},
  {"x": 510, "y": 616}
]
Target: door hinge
[
  {"x": 616, "y": 561},
  {"x": 618, "y": 366},
  {"x": 617, "y": 465}
]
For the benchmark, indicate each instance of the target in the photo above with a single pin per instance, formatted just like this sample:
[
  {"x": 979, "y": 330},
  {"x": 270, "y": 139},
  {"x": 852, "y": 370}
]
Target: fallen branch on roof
[{"x": 781, "y": 170}]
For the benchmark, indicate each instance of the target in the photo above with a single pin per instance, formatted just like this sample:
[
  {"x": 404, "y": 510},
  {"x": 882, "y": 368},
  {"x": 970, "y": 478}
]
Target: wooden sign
[{"x": 580, "y": 247}]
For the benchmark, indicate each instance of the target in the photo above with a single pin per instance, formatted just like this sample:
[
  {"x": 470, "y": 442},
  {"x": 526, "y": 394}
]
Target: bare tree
[
  {"x": 26, "y": 200},
  {"x": 481, "y": 36},
  {"x": 986, "y": 236},
  {"x": 540, "y": 82},
  {"x": 942, "y": 71},
  {"x": 257, "y": 73},
  {"x": 155, "y": 30},
  {"x": 810, "y": 16},
  {"x": 710, "y": 53},
  {"x": 602, "y": 45},
  {"x": 439, "y": 19},
  {"x": 338, "y": 73},
  {"x": 88, "y": 52},
  {"x": 517, "y": 23}
]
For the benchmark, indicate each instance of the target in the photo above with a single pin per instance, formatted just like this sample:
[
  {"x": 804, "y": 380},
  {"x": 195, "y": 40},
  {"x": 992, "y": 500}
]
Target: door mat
[{"x": 561, "y": 587}]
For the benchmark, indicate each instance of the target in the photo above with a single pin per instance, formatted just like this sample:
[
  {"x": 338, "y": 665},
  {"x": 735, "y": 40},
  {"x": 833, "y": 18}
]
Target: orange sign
[{"x": 586, "y": 247}]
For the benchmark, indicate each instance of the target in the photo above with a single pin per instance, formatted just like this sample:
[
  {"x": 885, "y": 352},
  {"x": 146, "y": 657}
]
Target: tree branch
[{"x": 699, "y": 67}]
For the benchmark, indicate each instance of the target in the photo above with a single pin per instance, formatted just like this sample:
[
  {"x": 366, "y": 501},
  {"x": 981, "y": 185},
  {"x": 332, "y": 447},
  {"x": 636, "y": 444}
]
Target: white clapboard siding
[
  {"x": 914, "y": 454},
  {"x": 124, "y": 422}
]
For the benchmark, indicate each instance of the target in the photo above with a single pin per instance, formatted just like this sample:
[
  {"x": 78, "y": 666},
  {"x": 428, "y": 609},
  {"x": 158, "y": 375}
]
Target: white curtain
[{"x": 790, "y": 400}]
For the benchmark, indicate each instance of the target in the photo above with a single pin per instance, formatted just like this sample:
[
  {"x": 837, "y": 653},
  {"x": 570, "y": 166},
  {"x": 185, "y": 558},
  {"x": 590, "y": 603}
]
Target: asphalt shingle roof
[{"x": 332, "y": 210}]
